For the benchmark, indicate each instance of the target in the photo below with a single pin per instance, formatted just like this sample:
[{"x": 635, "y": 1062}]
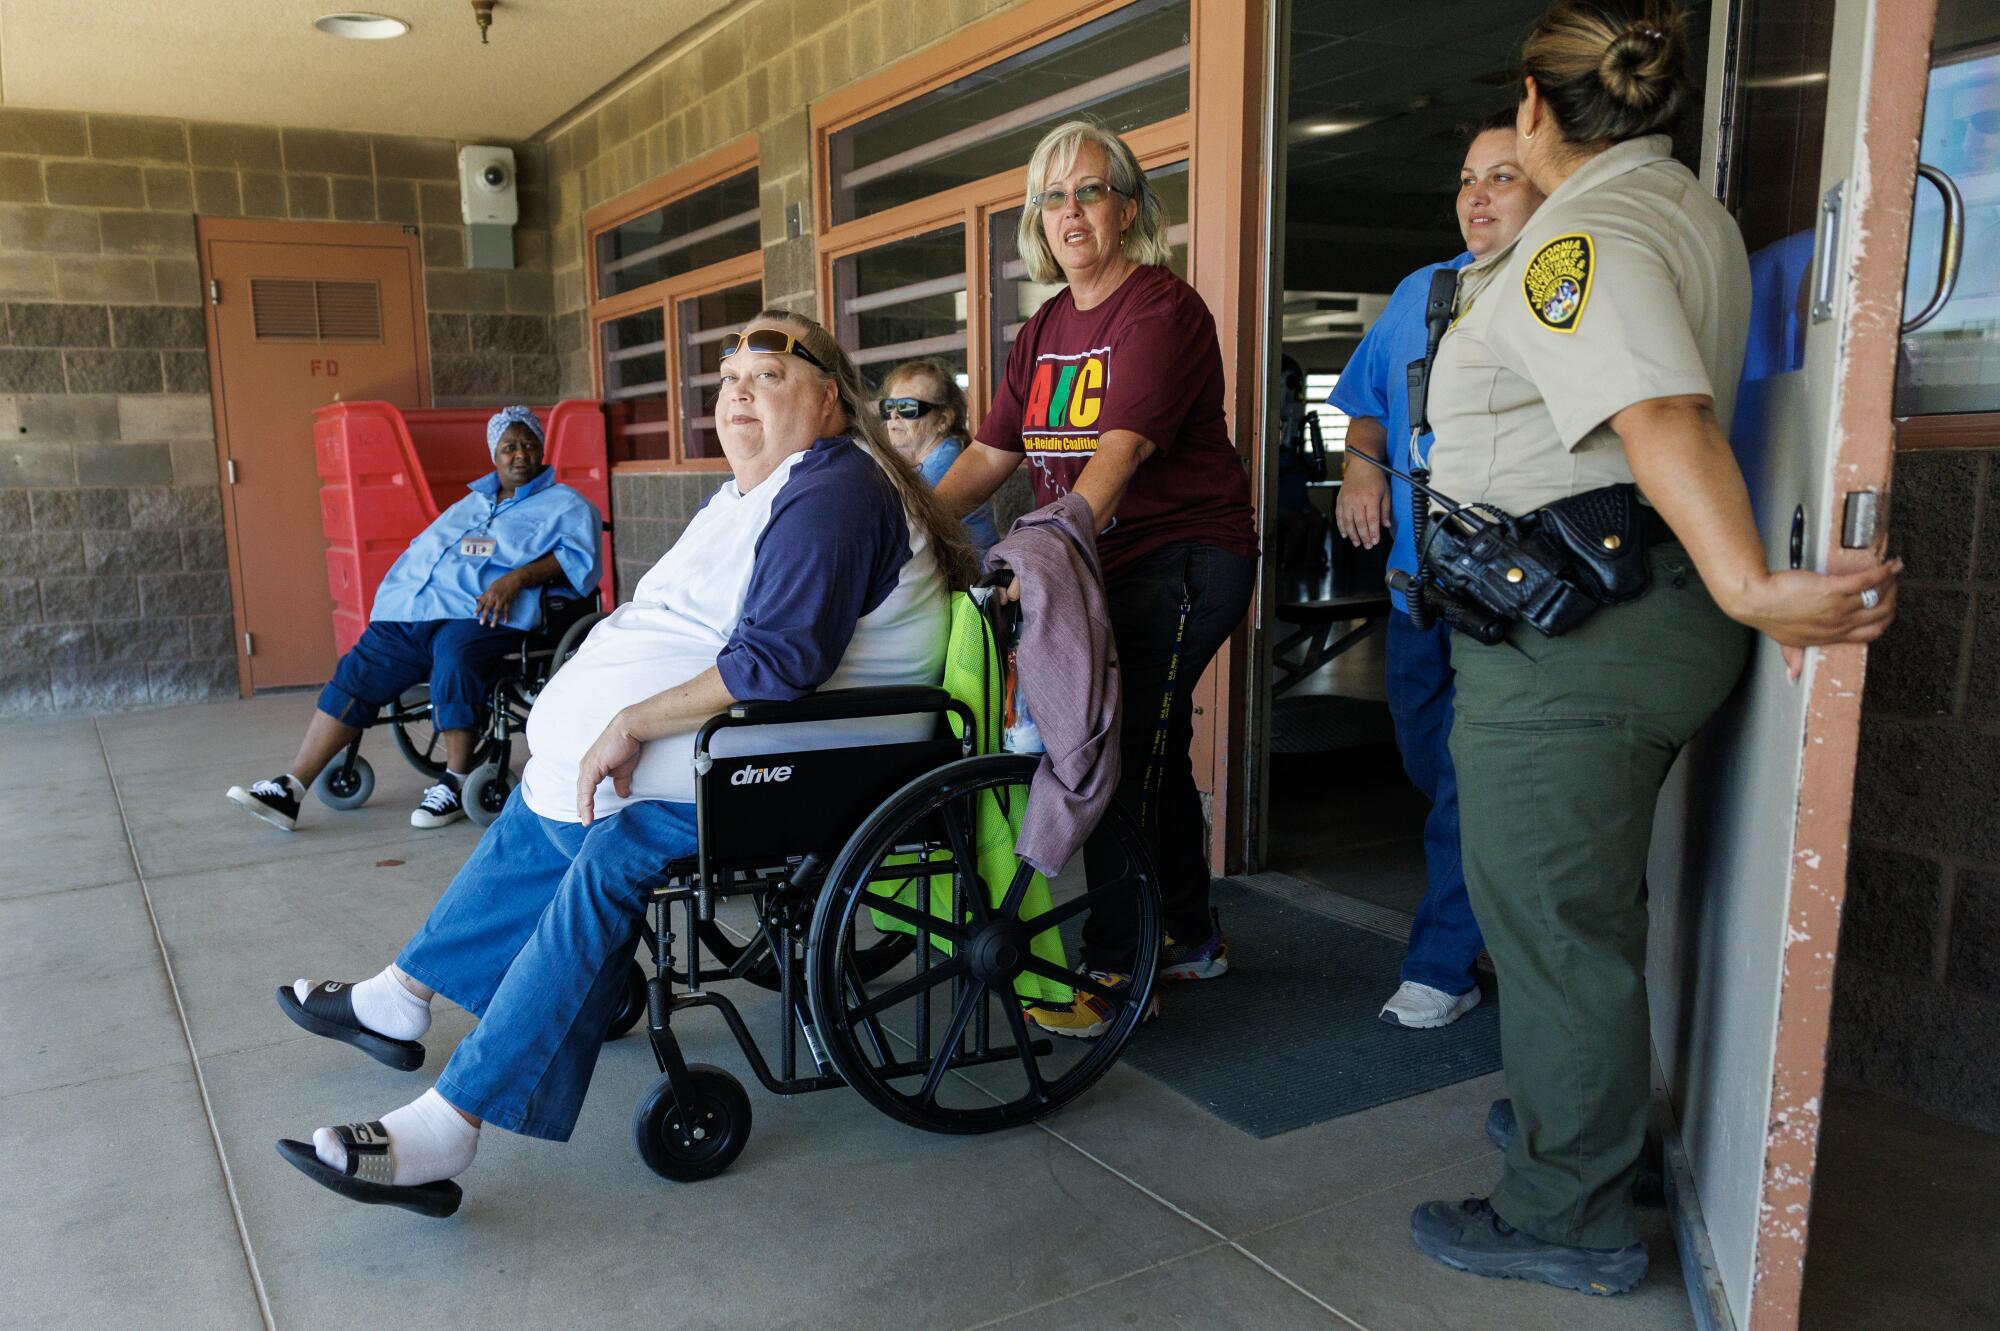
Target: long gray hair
[{"x": 861, "y": 422}]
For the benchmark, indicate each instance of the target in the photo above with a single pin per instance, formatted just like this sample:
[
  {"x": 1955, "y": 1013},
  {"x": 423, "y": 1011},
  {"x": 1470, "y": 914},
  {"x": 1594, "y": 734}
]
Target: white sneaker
[
  {"x": 1425, "y": 1008},
  {"x": 439, "y": 807}
]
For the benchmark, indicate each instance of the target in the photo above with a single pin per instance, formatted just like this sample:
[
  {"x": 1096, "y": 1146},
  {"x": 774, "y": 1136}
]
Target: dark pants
[
  {"x": 1145, "y": 602},
  {"x": 1562, "y": 745},
  {"x": 1444, "y": 938},
  {"x": 456, "y": 657}
]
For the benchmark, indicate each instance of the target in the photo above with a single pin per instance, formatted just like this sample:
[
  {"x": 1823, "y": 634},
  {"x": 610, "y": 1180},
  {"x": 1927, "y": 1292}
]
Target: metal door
[
  {"x": 1750, "y": 854},
  {"x": 299, "y": 314}
]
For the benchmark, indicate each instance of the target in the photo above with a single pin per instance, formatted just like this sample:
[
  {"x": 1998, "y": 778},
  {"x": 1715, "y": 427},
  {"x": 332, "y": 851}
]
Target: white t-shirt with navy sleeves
[{"x": 813, "y": 579}]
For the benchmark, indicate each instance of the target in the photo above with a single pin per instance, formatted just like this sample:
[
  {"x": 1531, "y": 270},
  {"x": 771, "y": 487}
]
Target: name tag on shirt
[{"x": 477, "y": 547}]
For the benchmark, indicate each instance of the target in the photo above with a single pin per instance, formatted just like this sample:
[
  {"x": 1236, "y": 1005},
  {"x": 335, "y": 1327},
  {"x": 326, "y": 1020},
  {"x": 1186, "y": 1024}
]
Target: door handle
[
  {"x": 1949, "y": 252},
  {"x": 1826, "y": 253}
]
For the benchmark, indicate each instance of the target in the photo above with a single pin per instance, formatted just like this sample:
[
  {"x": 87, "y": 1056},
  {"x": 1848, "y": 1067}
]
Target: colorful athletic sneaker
[
  {"x": 1090, "y": 1015},
  {"x": 1205, "y": 961}
]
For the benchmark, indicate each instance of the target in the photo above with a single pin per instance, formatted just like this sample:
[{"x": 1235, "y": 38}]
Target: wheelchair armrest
[{"x": 830, "y": 705}]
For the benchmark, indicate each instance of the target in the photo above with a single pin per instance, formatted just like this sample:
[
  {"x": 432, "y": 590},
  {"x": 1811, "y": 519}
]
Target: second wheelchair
[{"x": 349, "y": 780}]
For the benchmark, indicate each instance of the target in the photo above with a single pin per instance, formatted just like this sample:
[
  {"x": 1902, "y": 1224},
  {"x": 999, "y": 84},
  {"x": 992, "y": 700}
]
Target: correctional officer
[
  {"x": 1495, "y": 200},
  {"x": 1601, "y": 347}
]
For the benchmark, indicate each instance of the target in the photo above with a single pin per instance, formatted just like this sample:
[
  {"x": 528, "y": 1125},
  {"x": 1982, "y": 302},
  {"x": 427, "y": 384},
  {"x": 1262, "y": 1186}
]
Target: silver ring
[{"x": 1870, "y": 598}]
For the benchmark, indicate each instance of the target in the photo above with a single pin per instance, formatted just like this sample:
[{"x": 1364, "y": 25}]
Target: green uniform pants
[{"x": 1561, "y": 746}]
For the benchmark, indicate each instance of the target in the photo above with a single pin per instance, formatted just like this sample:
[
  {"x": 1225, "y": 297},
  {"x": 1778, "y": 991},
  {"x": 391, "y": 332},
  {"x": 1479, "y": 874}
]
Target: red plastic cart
[{"x": 385, "y": 474}]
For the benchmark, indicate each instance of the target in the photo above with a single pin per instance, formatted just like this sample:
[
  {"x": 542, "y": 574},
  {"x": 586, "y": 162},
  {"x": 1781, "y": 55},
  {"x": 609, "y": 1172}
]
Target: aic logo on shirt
[
  {"x": 1064, "y": 401},
  {"x": 757, "y": 776}
]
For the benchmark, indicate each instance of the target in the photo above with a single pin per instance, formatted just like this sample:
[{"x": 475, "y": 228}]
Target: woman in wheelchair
[
  {"x": 824, "y": 561},
  {"x": 448, "y": 610}
]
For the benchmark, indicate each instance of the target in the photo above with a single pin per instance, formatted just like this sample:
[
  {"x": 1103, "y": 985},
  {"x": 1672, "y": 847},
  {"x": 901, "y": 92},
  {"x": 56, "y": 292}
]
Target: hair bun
[{"x": 1640, "y": 68}]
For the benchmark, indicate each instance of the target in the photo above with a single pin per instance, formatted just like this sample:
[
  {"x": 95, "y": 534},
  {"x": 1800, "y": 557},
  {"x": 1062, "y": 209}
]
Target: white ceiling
[{"x": 262, "y": 62}]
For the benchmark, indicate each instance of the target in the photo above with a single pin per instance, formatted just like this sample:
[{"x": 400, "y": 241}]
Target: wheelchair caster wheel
[
  {"x": 631, "y": 1010},
  {"x": 345, "y": 786},
  {"x": 486, "y": 792},
  {"x": 688, "y": 1143}
]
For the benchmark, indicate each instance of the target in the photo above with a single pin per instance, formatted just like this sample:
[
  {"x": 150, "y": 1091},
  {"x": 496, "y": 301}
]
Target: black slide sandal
[
  {"x": 329, "y": 1011},
  {"x": 368, "y": 1154}
]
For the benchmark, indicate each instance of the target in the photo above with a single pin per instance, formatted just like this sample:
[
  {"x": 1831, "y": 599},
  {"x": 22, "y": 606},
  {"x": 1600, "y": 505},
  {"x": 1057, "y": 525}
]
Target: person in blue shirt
[
  {"x": 923, "y": 409},
  {"x": 1495, "y": 200},
  {"x": 449, "y": 608}
]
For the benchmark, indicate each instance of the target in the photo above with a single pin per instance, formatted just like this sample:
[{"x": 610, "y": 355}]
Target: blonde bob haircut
[{"x": 1144, "y": 242}]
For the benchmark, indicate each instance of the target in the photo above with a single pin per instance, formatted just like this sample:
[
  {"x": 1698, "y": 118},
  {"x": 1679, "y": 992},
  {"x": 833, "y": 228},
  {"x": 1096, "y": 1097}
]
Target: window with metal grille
[
  {"x": 675, "y": 267},
  {"x": 1125, "y": 70},
  {"x": 298, "y": 309}
]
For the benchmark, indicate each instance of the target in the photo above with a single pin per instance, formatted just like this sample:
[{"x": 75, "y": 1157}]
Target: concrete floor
[{"x": 145, "y": 1074}]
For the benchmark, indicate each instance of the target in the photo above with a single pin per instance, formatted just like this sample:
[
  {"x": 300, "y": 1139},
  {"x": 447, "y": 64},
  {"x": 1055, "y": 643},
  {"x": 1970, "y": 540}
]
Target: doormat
[
  {"x": 1327, "y": 723},
  {"x": 1289, "y": 1037}
]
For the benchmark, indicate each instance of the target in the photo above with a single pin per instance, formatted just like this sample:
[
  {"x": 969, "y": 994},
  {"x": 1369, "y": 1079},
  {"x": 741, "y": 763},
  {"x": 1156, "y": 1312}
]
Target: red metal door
[{"x": 300, "y": 315}]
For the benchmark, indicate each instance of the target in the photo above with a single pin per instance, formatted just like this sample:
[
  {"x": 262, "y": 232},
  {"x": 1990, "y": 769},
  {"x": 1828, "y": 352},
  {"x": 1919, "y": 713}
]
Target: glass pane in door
[{"x": 1952, "y": 363}]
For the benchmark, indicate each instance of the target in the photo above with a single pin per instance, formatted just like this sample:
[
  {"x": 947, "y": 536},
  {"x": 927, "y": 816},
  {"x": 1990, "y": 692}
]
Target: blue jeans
[
  {"x": 1444, "y": 938},
  {"x": 459, "y": 658},
  {"x": 533, "y": 937}
]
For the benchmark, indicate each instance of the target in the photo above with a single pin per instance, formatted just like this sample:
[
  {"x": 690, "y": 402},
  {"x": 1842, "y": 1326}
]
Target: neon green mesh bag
[{"x": 973, "y": 675}]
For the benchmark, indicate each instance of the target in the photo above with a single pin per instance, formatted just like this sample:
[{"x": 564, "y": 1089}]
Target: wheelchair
[
  {"x": 888, "y": 914},
  {"x": 349, "y": 780}
]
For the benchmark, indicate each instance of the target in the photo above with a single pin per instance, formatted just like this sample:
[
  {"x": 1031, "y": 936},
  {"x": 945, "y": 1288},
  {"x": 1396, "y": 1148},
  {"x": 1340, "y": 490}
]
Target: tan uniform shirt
[{"x": 1630, "y": 283}]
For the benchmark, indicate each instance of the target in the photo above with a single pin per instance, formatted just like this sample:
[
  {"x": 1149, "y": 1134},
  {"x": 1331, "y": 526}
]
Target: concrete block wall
[
  {"x": 114, "y": 589},
  {"x": 1917, "y": 997},
  {"x": 756, "y": 71}
]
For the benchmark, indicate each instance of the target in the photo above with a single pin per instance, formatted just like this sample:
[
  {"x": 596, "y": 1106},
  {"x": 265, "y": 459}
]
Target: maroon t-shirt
[{"x": 1145, "y": 360}]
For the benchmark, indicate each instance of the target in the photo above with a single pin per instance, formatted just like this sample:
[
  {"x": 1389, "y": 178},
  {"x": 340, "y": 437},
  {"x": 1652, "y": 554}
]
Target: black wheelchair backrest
[{"x": 756, "y": 810}]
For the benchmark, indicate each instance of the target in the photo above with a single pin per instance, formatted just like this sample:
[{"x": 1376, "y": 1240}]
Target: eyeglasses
[
  {"x": 773, "y": 341},
  {"x": 1055, "y": 200},
  {"x": 909, "y": 408}
]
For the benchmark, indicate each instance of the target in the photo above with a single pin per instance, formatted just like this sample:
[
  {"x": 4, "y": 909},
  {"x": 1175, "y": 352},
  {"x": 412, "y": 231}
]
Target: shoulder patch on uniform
[{"x": 1557, "y": 281}]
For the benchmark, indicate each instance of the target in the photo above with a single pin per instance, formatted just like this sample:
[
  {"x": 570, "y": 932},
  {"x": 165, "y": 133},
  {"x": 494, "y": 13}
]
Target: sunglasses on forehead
[
  {"x": 908, "y": 408},
  {"x": 773, "y": 342}
]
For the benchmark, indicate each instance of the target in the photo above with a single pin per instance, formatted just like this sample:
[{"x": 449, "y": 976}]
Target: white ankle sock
[
  {"x": 428, "y": 1140},
  {"x": 383, "y": 1005},
  {"x": 298, "y": 787}
]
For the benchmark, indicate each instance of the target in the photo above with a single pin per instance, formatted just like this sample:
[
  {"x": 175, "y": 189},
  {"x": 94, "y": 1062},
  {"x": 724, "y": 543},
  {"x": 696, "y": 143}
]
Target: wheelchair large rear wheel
[{"x": 944, "y": 1042}]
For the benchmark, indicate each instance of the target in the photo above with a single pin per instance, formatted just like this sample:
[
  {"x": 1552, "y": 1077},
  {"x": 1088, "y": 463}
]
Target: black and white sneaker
[
  {"x": 276, "y": 802},
  {"x": 440, "y": 807}
]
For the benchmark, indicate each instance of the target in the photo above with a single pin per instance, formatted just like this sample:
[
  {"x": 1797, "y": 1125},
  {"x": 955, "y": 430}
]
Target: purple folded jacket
[{"x": 1068, "y": 666}]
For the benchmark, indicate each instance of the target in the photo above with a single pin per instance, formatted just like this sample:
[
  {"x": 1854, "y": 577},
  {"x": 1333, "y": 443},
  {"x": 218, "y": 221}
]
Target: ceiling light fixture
[
  {"x": 361, "y": 27},
  {"x": 482, "y": 14},
  {"x": 1325, "y": 126}
]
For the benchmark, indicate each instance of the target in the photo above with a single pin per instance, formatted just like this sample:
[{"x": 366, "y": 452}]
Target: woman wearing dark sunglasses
[
  {"x": 923, "y": 409},
  {"x": 1113, "y": 391}
]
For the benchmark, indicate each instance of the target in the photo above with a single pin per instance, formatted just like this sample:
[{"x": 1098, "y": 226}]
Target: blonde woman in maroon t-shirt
[{"x": 1113, "y": 391}]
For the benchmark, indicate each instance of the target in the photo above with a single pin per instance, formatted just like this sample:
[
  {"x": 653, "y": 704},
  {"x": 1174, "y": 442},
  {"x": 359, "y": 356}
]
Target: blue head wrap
[{"x": 507, "y": 416}]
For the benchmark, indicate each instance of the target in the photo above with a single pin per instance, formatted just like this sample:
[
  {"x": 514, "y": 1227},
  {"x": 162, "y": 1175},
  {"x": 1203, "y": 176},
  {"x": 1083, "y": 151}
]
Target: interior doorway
[
  {"x": 1381, "y": 102},
  {"x": 299, "y": 314}
]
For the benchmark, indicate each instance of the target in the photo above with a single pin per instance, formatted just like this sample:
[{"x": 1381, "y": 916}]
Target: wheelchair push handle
[{"x": 832, "y": 705}]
